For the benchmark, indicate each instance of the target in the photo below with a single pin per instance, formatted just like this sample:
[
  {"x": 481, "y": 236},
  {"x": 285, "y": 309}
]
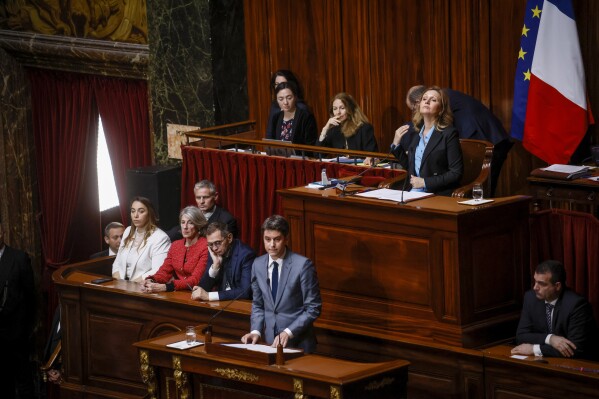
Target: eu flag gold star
[
  {"x": 536, "y": 13},
  {"x": 521, "y": 53},
  {"x": 525, "y": 31},
  {"x": 527, "y": 75}
]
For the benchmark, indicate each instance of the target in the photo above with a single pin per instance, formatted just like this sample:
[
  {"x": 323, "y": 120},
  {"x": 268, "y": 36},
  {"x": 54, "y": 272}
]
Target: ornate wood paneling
[{"x": 376, "y": 50}]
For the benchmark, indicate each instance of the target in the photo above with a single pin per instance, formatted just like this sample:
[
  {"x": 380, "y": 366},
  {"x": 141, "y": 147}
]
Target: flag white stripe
[{"x": 557, "y": 59}]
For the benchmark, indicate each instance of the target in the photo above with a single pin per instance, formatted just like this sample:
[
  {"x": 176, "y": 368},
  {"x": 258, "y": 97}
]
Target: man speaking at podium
[{"x": 286, "y": 295}]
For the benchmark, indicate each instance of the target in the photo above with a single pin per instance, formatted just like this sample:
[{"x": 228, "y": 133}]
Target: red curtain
[
  {"x": 64, "y": 125},
  {"x": 573, "y": 239},
  {"x": 123, "y": 106},
  {"x": 247, "y": 183}
]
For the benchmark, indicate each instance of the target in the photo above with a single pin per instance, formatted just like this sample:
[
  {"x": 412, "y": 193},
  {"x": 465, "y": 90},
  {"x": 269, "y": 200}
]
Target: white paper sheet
[
  {"x": 261, "y": 348},
  {"x": 184, "y": 345},
  {"x": 475, "y": 202},
  {"x": 394, "y": 195}
]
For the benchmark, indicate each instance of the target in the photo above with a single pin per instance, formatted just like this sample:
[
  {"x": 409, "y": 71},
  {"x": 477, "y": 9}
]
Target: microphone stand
[
  {"x": 405, "y": 181},
  {"x": 207, "y": 331},
  {"x": 343, "y": 186}
]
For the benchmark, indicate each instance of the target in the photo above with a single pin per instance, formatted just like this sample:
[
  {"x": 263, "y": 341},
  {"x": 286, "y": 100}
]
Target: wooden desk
[
  {"x": 101, "y": 322},
  {"x": 507, "y": 378},
  {"x": 171, "y": 373},
  {"x": 578, "y": 194},
  {"x": 433, "y": 269}
]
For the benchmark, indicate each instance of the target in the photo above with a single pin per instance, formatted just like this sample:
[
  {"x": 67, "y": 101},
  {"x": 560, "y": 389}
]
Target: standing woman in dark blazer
[
  {"x": 292, "y": 123},
  {"x": 348, "y": 127},
  {"x": 282, "y": 76},
  {"x": 433, "y": 157}
]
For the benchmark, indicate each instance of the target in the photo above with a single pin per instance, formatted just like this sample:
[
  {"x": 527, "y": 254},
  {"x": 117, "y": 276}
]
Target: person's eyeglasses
[{"x": 215, "y": 244}]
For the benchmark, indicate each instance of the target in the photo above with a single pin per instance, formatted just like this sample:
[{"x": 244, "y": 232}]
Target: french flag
[{"x": 551, "y": 113}]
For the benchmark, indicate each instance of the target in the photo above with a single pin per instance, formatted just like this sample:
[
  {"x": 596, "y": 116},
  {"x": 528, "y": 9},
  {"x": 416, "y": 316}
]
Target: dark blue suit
[
  {"x": 17, "y": 319},
  {"x": 475, "y": 121},
  {"x": 442, "y": 164},
  {"x": 572, "y": 319},
  {"x": 238, "y": 270}
]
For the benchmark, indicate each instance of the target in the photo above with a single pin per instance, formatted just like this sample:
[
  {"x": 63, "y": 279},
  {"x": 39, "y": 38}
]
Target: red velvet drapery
[
  {"x": 247, "y": 183},
  {"x": 64, "y": 126},
  {"x": 573, "y": 239},
  {"x": 123, "y": 106},
  {"x": 65, "y": 119}
]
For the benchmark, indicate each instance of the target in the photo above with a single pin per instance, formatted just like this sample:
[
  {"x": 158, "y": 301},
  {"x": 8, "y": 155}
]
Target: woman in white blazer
[{"x": 143, "y": 247}]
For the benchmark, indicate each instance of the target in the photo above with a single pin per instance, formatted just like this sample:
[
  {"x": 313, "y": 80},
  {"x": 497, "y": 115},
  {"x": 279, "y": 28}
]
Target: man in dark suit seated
[
  {"x": 113, "y": 233},
  {"x": 206, "y": 196},
  {"x": 229, "y": 267},
  {"x": 555, "y": 321},
  {"x": 17, "y": 317},
  {"x": 286, "y": 294}
]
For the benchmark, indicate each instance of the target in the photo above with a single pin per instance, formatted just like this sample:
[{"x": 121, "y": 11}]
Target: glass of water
[
  {"x": 477, "y": 192},
  {"x": 190, "y": 334}
]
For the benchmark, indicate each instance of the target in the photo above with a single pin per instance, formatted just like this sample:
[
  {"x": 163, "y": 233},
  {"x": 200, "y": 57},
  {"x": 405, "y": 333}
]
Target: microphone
[
  {"x": 342, "y": 184},
  {"x": 208, "y": 329}
]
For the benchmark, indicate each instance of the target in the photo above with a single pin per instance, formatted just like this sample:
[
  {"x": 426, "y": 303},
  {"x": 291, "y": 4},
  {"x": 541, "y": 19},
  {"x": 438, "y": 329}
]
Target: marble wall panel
[
  {"x": 180, "y": 72},
  {"x": 229, "y": 64},
  {"x": 18, "y": 186}
]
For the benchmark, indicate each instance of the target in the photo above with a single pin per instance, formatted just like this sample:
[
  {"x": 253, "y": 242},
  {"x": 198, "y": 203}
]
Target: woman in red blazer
[{"x": 186, "y": 259}]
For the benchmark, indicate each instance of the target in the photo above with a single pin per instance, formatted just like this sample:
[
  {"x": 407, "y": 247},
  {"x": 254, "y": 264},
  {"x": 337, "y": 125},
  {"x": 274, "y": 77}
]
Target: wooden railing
[{"x": 220, "y": 137}]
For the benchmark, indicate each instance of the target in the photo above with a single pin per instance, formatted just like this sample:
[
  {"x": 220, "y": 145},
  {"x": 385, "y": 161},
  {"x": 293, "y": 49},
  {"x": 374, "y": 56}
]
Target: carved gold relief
[
  {"x": 237, "y": 375},
  {"x": 148, "y": 376},
  {"x": 335, "y": 392},
  {"x": 116, "y": 20},
  {"x": 374, "y": 385},
  {"x": 180, "y": 378},
  {"x": 298, "y": 388}
]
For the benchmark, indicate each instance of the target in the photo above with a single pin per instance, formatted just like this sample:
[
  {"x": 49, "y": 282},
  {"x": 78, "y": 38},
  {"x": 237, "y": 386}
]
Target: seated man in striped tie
[
  {"x": 555, "y": 321},
  {"x": 286, "y": 295}
]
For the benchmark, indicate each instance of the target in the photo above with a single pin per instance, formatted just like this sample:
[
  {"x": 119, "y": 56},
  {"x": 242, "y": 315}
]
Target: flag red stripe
[{"x": 554, "y": 125}]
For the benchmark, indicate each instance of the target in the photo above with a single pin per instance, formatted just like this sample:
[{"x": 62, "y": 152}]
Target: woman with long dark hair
[{"x": 143, "y": 246}]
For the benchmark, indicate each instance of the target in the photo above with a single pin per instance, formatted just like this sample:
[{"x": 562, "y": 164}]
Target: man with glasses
[
  {"x": 206, "y": 196},
  {"x": 228, "y": 269}
]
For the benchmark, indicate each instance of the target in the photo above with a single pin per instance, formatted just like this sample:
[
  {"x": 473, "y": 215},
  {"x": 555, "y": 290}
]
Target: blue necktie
[
  {"x": 275, "y": 279},
  {"x": 548, "y": 309}
]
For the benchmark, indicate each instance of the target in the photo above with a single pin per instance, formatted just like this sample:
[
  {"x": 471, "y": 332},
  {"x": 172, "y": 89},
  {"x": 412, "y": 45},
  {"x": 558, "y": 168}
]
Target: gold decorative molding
[
  {"x": 180, "y": 378},
  {"x": 336, "y": 392},
  {"x": 237, "y": 375},
  {"x": 148, "y": 375},
  {"x": 374, "y": 385},
  {"x": 298, "y": 388}
]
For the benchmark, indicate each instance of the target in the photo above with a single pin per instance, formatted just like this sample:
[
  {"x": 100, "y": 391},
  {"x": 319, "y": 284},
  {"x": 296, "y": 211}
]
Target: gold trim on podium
[
  {"x": 237, "y": 375},
  {"x": 375, "y": 385},
  {"x": 298, "y": 388},
  {"x": 336, "y": 392},
  {"x": 148, "y": 375},
  {"x": 180, "y": 378}
]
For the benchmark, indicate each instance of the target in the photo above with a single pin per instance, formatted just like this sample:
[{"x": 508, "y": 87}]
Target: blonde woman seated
[
  {"x": 348, "y": 127},
  {"x": 187, "y": 258},
  {"x": 143, "y": 246}
]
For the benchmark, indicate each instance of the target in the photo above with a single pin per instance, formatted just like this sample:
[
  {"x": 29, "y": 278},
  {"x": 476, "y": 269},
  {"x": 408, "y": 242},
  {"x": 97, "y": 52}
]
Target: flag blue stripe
[{"x": 527, "y": 43}]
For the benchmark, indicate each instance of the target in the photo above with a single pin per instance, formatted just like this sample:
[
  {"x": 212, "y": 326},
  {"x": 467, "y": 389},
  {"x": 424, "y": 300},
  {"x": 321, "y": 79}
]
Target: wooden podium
[
  {"x": 193, "y": 373},
  {"x": 433, "y": 269}
]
